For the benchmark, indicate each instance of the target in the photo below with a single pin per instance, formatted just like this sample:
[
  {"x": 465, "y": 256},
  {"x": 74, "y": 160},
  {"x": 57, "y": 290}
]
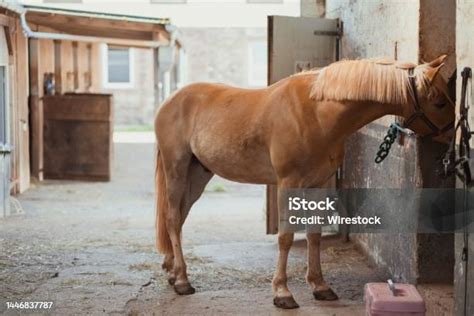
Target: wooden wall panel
[
  {"x": 96, "y": 68},
  {"x": 83, "y": 67},
  {"x": 67, "y": 67}
]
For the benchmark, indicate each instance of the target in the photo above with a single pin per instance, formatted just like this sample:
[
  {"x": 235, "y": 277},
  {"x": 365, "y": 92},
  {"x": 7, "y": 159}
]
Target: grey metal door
[
  {"x": 4, "y": 146},
  {"x": 296, "y": 44}
]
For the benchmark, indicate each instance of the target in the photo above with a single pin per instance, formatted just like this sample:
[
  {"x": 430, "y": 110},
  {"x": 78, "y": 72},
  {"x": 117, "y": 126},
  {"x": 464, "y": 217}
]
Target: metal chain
[{"x": 388, "y": 140}]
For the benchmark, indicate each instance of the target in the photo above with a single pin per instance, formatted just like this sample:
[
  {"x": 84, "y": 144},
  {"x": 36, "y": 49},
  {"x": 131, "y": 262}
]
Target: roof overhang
[{"x": 124, "y": 28}]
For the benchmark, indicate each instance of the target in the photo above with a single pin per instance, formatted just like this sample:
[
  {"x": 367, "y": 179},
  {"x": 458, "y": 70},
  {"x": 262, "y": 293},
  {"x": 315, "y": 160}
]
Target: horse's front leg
[
  {"x": 314, "y": 276},
  {"x": 282, "y": 297}
]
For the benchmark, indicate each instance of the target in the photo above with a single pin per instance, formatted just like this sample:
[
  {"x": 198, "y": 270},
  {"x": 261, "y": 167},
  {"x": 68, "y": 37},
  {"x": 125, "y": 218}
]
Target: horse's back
[{"x": 228, "y": 129}]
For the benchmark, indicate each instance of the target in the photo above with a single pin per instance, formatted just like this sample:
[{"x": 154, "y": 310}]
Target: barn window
[
  {"x": 119, "y": 67},
  {"x": 257, "y": 63}
]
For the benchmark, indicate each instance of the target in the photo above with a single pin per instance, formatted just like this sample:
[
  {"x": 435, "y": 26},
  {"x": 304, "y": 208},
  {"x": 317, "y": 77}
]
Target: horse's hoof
[
  {"x": 171, "y": 280},
  {"x": 184, "y": 289},
  {"x": 287, "y": 302},
  {"x": 325, "y": 295}
]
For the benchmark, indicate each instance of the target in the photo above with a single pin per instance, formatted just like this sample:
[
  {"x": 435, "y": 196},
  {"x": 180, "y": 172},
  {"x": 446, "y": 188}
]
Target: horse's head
[{"x": 431, "y": 112}]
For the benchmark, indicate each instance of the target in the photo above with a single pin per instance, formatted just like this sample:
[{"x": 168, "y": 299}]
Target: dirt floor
[{"x": 89, "y": 248}]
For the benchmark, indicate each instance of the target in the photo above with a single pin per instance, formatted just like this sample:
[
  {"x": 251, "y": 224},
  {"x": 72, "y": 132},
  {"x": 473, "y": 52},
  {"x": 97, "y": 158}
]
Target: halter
[
  {"x": 396, "y": 129},
  {"x": 419, "y": 114}
]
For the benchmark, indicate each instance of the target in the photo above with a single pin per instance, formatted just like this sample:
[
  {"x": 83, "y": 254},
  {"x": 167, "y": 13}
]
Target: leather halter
[{"x": 419, "y": 114}]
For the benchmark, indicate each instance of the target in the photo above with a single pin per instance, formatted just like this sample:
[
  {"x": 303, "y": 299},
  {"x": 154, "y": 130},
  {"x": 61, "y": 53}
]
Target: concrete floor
[{"x": 89, "y": 248}]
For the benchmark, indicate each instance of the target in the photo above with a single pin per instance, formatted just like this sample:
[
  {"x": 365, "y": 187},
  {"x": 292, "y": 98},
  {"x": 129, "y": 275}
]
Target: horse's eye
[{"x": 440, "y": 105}]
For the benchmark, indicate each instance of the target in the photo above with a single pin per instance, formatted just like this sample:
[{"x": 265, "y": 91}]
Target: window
[
  {"x": 264, "y": 1},
  {"x": 168, "y": 1},
  {"x": 118, "y": 64},
  {"x": 257, "y": 64}
]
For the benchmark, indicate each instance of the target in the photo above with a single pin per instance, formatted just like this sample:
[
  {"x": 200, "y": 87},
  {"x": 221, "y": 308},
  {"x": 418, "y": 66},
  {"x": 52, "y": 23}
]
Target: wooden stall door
[{"x": 296, "y": 44}]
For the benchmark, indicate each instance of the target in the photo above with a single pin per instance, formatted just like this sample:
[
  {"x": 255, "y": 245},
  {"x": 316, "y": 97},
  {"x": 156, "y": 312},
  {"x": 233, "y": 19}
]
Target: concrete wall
[
  {"x": 219, "y": 54},
  {"x": 313, "y": 8},
  {"x": 402, "y": 30},
  {"x": 391, "y": 30}
]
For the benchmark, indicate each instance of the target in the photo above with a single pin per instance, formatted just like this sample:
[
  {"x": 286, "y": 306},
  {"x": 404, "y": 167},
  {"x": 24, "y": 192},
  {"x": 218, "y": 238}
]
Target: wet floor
[{"x": 89, "y": 248}]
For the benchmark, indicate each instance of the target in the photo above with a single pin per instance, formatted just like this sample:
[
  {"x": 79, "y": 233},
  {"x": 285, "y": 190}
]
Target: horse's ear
[
  {"x": 431, "y": 73},
  {"x": 438, "y": 61}
]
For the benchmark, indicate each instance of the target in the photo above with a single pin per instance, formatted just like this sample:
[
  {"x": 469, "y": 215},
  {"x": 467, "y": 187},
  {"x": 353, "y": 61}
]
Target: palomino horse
[{"x": 290, "y": 134}]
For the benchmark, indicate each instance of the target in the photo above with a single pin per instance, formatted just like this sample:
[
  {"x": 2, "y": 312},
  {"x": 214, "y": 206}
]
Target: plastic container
[{"x": 404, "y": 300}]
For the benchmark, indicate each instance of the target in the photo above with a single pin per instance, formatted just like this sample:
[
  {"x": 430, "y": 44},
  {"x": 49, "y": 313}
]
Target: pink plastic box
[{"x": 381, "y": 301}]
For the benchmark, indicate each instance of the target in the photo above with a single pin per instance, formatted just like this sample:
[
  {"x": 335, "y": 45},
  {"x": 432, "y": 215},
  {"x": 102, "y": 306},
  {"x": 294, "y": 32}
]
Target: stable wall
[
  {"x": 373, "y": 29},
  {"x": 401, "y": 30},
  {"x": 74, "y": 65}
]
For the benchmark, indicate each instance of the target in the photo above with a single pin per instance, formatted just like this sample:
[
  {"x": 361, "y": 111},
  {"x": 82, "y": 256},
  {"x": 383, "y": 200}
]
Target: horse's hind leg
[
  {"x": 176, "y": 164},
  {"x": 197, "y": 178}
]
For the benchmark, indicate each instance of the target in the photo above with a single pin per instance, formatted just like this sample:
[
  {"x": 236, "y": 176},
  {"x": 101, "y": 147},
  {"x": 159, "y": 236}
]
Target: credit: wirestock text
[{"x": 313, "y": 216}]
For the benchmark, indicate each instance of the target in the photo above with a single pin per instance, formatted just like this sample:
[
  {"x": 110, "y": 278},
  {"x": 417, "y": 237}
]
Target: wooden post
[{"x": 36, "y": 110}]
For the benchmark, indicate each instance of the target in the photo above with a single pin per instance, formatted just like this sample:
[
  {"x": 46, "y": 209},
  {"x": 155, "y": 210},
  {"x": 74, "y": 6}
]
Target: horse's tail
[{"x": 163, "y": 242}]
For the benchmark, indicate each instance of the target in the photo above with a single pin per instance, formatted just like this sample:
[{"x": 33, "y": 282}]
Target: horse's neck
[{"x": 348, "y": 116}]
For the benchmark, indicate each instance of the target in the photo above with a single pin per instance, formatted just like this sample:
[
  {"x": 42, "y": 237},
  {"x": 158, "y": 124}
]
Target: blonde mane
[{"x": 368, "y": 80}]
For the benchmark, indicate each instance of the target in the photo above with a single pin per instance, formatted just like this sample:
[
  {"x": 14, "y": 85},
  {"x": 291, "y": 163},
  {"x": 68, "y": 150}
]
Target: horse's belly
[{"x": 234, "y": 160}]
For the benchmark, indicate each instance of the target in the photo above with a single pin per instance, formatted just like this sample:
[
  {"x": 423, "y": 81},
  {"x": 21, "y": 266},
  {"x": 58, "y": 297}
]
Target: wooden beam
[
  {"x": 90, "y": 30},
  {"x": 98, "y": 23},
  {"x": 96, "y": 39}
]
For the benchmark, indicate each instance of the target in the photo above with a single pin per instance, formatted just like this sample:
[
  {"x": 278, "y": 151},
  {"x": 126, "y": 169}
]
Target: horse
[{"x": 290, "y": 134}]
